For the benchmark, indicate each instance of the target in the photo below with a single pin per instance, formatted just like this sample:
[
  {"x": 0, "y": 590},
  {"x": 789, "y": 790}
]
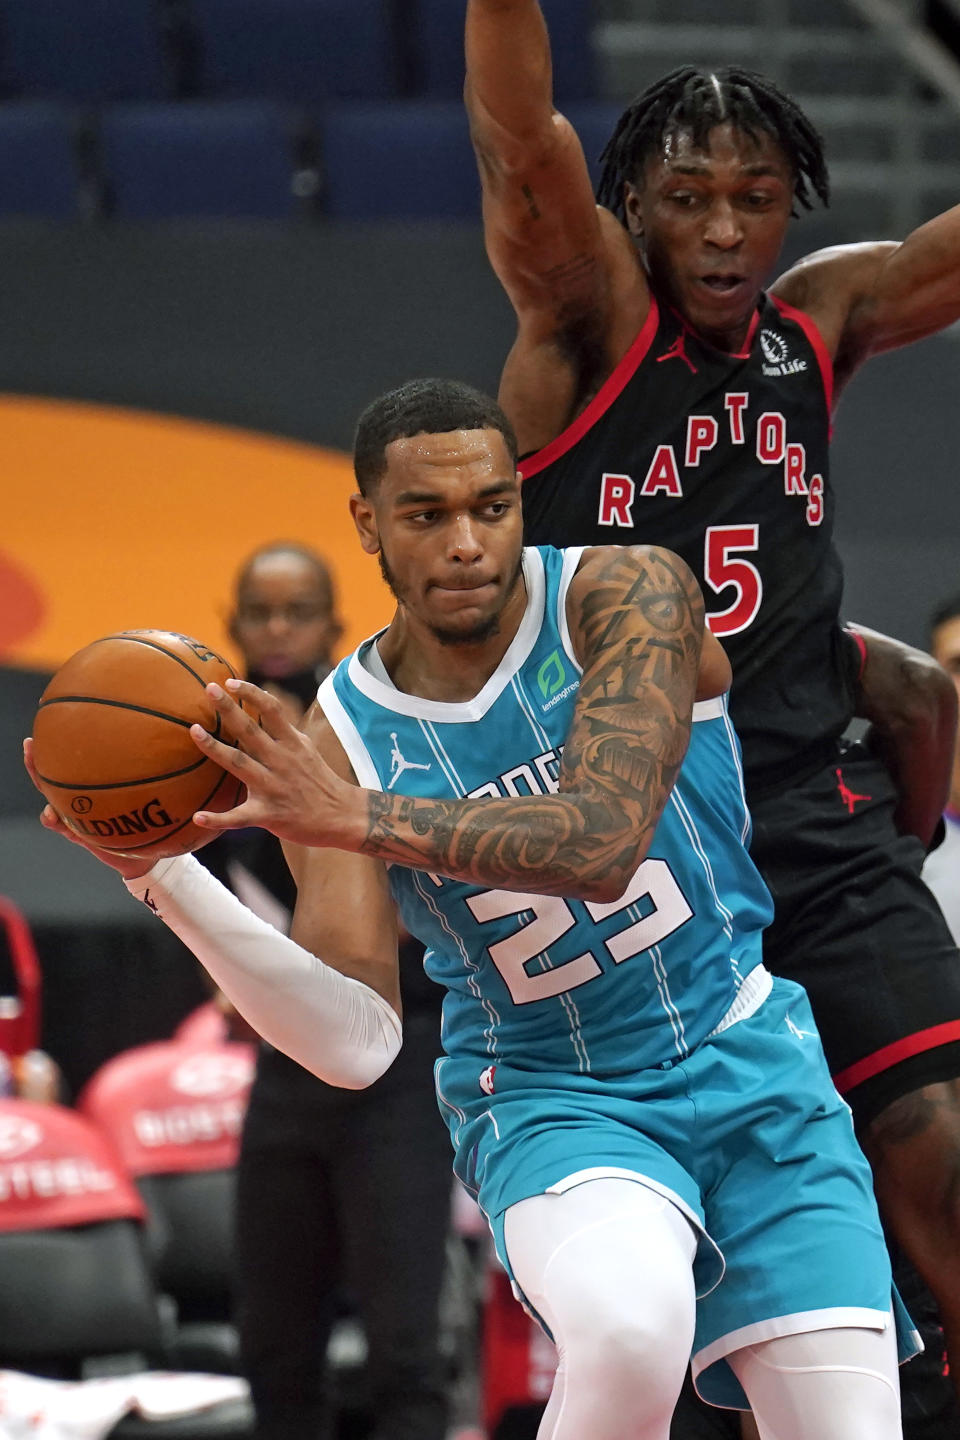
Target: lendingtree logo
[{"x": 552, "y": 675}]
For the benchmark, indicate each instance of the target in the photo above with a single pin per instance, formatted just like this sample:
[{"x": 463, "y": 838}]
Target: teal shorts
[{"x": 747, "y": 1136}]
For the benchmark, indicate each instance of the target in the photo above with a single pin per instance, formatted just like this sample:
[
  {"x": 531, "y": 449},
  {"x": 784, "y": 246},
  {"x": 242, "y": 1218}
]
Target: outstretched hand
[{"x": 291, "y": 790}]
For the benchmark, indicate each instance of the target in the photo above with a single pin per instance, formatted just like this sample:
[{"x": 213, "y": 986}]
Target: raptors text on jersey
[{"x": 722, "y": 458}]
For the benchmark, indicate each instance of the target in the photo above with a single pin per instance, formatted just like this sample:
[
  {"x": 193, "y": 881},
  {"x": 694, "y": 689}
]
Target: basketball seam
[
  {"x": 125, "y": 705},
  {"x": 161, "y": 840},
  {"x": 162, "y": 650},
  {"x": 123, "y": 784}
]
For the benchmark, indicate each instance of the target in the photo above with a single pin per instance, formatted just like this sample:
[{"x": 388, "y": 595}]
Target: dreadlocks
[{"x": 694, "y": 101}]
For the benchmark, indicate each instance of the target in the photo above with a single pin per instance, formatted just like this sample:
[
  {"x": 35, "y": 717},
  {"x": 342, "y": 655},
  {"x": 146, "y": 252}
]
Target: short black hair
[
  {"x": 313, "y": 558},
  {"x": 421, "y": 407},
  {"x": 948, "y": 609},
  {"x": 694, "y": 99}
]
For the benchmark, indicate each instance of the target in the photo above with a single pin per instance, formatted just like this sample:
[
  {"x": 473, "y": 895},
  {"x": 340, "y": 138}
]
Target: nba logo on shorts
[{"x": 486, "y": 1079}]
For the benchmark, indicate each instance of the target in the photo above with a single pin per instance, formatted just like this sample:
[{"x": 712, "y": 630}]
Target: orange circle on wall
[{"x": 118, "y": 519}]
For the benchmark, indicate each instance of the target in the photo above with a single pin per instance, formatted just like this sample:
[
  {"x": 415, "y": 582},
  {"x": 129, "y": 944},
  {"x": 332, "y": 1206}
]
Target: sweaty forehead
[
  {"x": 448, "y": 452},
  {"x": 725, "y": 145}
]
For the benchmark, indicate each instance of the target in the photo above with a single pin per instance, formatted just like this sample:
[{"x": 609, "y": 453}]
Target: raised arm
[
  {"x": 636, "y": 615},
  {"x": 868, "y": 298},
  {"x": 541, "y": 224}
]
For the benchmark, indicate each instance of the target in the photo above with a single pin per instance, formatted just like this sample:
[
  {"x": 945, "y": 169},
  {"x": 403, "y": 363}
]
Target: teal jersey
[{"x": 539, "y": 982}]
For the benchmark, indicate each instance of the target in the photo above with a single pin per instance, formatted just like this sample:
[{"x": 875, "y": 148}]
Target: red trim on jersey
[
  {"x": 891, "y": 1055},
  {"x": 744, "y": 354},
  {"x": 861, "y": 645},
  {"x": 809, "y": 328},
  {"x": 609, "y": 391}
]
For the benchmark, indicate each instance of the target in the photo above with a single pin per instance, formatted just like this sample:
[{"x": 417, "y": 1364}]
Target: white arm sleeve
[{"x": 331, "y": 1024}]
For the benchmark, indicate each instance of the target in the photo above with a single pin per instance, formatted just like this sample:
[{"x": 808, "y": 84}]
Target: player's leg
[
  {"x": 694, "y": 1419},
  {"x": 608, "y": 1266},
  {"x": 858, "y": 929},
  {"x": 838, "y": 1384},
  {"x": 928, "y": 1402},
  {"x": 287, "y": 1268},
  {"x": 914, "y": 1149},
  {"x": 790, "y": 1203},
  {"x": 394, "y": 1183}
]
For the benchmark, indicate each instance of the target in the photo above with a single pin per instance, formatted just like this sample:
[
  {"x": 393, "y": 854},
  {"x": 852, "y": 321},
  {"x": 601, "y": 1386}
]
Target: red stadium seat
[{"x": 76, "y": 1295}]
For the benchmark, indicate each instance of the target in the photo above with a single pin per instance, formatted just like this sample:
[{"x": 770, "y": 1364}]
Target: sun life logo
[
  {"x": 774, "y": 347},
  {"x": 776, "y": 354}
]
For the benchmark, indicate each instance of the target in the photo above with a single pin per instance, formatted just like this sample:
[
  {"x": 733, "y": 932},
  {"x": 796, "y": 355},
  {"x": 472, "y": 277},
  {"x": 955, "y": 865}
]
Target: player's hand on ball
[
  {"x": 291, "y": 790},
  {"x": 129, "y": 866}
]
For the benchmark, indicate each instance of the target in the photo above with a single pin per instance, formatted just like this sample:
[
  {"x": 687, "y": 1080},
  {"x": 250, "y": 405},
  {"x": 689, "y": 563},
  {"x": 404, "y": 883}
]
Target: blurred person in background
[
  {"x": 942, "y": 870},
  {"x": 340, "y": 1193}
]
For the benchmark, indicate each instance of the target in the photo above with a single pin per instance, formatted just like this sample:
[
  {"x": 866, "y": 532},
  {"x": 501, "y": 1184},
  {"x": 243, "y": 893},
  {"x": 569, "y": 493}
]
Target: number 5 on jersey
[{"x": 723, "y": 567}]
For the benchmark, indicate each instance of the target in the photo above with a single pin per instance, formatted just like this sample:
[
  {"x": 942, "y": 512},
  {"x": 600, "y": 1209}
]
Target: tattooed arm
[{"x": 636, "y": 618}]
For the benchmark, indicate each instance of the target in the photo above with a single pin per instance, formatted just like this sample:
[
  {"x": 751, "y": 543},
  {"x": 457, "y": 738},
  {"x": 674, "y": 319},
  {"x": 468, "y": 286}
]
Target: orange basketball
[{"x": 112, "y": 744}]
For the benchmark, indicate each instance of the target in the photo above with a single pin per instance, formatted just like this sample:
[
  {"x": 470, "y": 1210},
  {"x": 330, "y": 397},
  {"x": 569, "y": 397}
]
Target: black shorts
[{"x": 857, "y": 927}]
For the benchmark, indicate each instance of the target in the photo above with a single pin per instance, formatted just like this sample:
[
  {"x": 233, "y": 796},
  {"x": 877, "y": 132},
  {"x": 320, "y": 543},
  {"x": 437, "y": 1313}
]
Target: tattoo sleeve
[{"x": 637, "y": 626}]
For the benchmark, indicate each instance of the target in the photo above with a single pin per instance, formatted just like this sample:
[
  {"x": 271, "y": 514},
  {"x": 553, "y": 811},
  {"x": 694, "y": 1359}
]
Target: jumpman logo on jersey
[
  {"x": 398, "y": 764},
  {"x": 677, "y": 351},
  {"x": 847, "y": 795}
]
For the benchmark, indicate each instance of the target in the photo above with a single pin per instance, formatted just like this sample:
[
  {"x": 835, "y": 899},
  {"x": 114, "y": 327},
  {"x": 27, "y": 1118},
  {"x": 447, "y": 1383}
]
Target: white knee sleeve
[
  {"x": 824, "y": 1385},
  {"x": 608, "y": 1265}
]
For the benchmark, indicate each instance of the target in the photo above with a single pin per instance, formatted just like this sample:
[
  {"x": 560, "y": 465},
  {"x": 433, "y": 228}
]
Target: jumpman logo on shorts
[
  {"x": 677, "y": 351},
  {"x": 398, "y": 764},
  {"x": 800, "y": 1034},
  {"x": 847, "y": 795}
]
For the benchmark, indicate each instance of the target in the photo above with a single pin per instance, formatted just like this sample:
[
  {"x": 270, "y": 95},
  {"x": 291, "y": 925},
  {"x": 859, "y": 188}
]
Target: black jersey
[{"x": 724, "y": 459}]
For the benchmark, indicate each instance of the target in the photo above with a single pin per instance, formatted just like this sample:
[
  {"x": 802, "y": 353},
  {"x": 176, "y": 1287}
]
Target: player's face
[
  {"x": 284, "y": 621},
  {"x": 446, "y": 522},
  {"x": 711, "y": 223},
  {"x": 946, "y": 648}
]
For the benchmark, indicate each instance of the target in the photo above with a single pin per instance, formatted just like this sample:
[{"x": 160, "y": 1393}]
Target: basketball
[{"x": 112, "y": 744}]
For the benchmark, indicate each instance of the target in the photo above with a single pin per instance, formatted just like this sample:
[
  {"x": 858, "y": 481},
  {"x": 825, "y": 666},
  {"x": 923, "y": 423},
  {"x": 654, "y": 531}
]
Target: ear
[
  {"x": 632, "y": 210},
  {"x": 365, "y": 519}
]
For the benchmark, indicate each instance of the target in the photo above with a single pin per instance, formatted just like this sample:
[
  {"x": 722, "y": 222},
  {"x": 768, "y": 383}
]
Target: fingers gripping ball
[{"x": 112, "y": 742}]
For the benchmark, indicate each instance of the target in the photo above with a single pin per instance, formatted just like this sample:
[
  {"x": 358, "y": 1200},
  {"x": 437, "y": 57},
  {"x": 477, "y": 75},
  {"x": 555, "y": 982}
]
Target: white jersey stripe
[
  {"x": 676, "y": 800},
  {"x": 523, "y": 700},
  {"x": 442, "y": 757},
  {"x": 735, "y": 753}
]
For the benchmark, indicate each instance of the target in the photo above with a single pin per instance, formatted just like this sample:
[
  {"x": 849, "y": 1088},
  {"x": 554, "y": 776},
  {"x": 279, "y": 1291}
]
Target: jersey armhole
[
  {"x": 348, "y": 735},
  {"x": 809, "y": 327},
  {"x": 571, "y": 564},
  {"x": 611, "y": 388}
]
